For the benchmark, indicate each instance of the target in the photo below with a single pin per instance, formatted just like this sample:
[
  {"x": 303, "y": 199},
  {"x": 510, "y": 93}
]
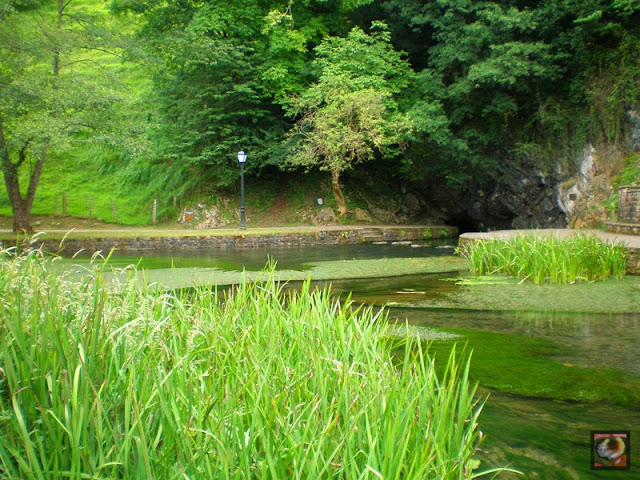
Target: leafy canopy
[
  {"x": 351, "y": 112},
  {"x": 58, "y": 89}
]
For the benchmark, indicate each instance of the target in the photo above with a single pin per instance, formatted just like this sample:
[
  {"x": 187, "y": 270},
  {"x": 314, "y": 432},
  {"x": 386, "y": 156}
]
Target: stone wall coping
[{"x": 344, "y": 235}]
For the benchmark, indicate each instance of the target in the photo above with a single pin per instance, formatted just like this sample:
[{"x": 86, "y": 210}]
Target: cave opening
[{"x": 465, "y": 223}]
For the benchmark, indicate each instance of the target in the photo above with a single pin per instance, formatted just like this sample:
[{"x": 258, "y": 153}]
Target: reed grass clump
[
  {"x": 547, "y": 258},
  {"x": 127, "y": 381}
]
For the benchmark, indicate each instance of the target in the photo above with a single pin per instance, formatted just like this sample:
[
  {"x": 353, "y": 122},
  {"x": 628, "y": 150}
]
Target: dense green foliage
[
  {"x": 351, "y": 113},
  {"x": 547, "y": 258},
  {"x": 107, "y": 380},
  {"x": 490, "y": 78},
  {"x": 630, "y": 174},
  {"x": 482, "y": 84},
  {"x": 60, "y": 76},
  {"x": 531, "y": 78}
]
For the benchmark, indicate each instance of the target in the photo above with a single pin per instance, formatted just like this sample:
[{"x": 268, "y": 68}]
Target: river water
[{"x": 546, "y": 438}]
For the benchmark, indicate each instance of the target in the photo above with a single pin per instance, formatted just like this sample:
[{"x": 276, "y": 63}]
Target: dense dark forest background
[{"x": 441, "y": 95}]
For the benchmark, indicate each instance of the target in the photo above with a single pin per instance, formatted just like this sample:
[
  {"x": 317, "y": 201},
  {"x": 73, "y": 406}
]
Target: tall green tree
[
  {"x": 484, "y": 65},
  {"x": 515, "y": 76},
  {"x": 223, "y": 70},
  {"x": 351, "y": 113},
  {"x": 51, "y": 92},
  {"x": 211, "y": 99}
]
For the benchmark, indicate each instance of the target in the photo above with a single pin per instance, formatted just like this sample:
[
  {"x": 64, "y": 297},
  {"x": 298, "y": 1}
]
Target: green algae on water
[
  {"x": 534, "y": 367},
  {"x": 329, "y": 270},
  {"x": 608, "y": 296}
]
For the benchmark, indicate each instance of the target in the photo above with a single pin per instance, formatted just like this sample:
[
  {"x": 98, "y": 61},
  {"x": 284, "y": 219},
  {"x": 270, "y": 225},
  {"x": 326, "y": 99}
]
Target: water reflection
[
  {"x": 594, "y": 340},
  {"x": 290, "y": 258},
  {"x": 546, "y": 439}
]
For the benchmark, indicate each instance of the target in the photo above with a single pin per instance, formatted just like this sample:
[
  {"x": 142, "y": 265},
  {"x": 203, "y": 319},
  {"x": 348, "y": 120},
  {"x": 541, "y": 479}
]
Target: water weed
[
  {"x": 128, "y": 381},
  {"x": 550, "y": 259}
]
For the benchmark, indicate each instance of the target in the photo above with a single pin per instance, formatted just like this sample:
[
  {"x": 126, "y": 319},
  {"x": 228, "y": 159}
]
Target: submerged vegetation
[
  {"x": 547, "y": 259},
  {"x": 133, "y": 382},
  {"x": 537, "y": 367}
]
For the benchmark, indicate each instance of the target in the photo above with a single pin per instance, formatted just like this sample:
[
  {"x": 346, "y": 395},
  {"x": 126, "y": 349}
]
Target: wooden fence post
[
  {"x": 113, "y": 208},
  {"x": 154, "y": 212},
  {"x": 64, "y": 203}
]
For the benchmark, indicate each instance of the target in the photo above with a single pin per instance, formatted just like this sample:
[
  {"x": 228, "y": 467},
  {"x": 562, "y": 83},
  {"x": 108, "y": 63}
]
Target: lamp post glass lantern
[{"x": 242, "y": 158}]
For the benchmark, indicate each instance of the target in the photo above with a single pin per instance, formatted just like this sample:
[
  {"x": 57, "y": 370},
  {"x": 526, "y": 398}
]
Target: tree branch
[
  {"x": 103, "y": 51},
  {"x": 34, "y": 179},
  {"x": 302, "y": 134},
  {"x": 84, "y": 125},
  {"x": 22, "y": 154},
  {"x": 35, "y": 6},
  {"x": 4, "y": 152},
  {"x": 84, "y": 60},
  {"x": 65, "y": 5}
]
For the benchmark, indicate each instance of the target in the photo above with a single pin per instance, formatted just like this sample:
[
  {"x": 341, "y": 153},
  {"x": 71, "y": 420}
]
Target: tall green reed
[
  {"x": 101, "y": 380},
  {"x": 548, "y": 258}
]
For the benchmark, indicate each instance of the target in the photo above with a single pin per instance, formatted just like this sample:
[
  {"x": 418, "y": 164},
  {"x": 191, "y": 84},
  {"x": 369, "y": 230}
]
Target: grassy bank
[
  {"x": 262, "y": 383},
  {"x": 547, "y": 259}
]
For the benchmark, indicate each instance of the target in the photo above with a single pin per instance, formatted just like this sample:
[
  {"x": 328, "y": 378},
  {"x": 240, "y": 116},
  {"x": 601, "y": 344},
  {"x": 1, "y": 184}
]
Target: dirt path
[{"x": 59, "y": 225}]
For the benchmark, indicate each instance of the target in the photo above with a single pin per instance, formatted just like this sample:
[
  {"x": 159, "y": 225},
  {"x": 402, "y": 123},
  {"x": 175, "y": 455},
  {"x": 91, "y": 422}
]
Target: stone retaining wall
[
  {"x": 628, "y": 222},
  {"x": 633, "y": 262},
  {"x": 629, "y": 205},
  {"x": 624, "y": 228},
  {"x": 348, "y": 236}
]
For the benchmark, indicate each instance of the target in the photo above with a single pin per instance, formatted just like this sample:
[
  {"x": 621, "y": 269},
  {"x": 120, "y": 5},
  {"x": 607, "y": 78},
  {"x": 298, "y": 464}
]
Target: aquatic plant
[
  {"x": 547, "y": 258},
  {"x": 99, "y": 380}
]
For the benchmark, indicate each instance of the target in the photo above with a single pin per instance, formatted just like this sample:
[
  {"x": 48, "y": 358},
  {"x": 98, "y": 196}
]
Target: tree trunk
[
  {"x": 34, "y": 179},
  {"x": 22, "y": 221},
  {"x": 21, "y": 215},
  {"x": 21, "y": 210},
  {"x": 21, "y": 207},
  {"x": 337, "y": 192}
]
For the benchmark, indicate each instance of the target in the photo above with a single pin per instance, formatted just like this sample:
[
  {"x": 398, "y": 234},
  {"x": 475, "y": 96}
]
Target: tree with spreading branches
[
  {"x": 55, "y": 89},
  {"x": 351, "y": 114}
]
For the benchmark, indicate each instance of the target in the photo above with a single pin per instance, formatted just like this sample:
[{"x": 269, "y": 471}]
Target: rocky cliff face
[
  {"x": 522, "y": 198},
  {"x": 527, "y": 196},
  {"x": 581, "y": 197}
]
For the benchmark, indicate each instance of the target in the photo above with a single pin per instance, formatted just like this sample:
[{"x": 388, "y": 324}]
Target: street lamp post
[{"x": 242, "y": 158}]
